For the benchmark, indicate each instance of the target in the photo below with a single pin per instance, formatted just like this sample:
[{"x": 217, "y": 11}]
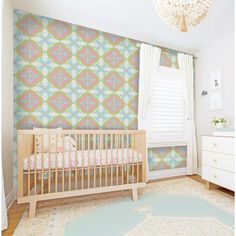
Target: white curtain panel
[
  {"x": 186, "y": 68},
  {"x": 4, "y": 209},
  {"x": 148, "y": 69}
]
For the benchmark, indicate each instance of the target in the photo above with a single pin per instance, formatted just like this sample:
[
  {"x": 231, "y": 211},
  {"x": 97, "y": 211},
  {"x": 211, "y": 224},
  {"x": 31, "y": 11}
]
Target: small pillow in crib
[
  {"x": 69, "y": 145},
  {"x": 45, "y": 145}
]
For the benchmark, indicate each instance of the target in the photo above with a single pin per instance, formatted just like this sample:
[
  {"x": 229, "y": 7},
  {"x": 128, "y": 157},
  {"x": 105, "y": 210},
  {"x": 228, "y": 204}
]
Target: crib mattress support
[{"x": 49, "y": 196}]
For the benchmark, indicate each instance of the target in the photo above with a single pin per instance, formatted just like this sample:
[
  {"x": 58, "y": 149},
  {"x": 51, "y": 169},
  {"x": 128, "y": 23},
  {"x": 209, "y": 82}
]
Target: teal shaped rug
[
  {"x": 180, "y": 207},
  {"x": 122, "y": 216}
]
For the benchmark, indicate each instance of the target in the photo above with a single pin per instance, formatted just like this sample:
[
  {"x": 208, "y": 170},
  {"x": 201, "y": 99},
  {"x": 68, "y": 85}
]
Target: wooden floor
[{"x": 15, "y": 212}]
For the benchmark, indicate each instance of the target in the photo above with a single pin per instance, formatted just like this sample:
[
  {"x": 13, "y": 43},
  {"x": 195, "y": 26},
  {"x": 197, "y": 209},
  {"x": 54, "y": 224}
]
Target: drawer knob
[
  {"x": 215, "y": 144},
  {"x": 215, "y": 160},
  {"x": 214, "y": 176}
]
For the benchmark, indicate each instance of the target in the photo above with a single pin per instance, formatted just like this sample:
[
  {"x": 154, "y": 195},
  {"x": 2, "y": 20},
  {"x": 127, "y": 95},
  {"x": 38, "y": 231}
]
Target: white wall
[
  {"x": 7, "y": 95},
  {"x": 136, "y": 19},
  {"x": 219, "y": 55}
]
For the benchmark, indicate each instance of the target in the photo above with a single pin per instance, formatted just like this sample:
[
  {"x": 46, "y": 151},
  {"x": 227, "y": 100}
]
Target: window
[{"x": 166, "y": 115}]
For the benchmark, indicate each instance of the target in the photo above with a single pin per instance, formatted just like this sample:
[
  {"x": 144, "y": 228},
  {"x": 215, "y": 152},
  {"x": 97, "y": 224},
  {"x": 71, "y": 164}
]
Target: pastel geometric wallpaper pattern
[
  {"x": 75, "y": 77},
  {"x": 72, "y": 76},
  {"x": 163, "y": 158}
]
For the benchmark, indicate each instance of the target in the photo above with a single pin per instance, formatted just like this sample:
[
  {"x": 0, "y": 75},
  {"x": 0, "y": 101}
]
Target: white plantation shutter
[{"x": 167, "y": 112}]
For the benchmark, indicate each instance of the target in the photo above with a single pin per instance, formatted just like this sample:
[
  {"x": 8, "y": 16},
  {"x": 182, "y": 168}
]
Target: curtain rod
[{"x": 139, "y": 44}]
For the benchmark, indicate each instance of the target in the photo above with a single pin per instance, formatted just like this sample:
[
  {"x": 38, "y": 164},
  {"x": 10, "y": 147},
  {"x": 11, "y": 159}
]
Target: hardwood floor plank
[{"x": 14, "y": 215}]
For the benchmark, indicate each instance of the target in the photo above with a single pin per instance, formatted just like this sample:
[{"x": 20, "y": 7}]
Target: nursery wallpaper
[
  {"x": 75, "y": 77},
  {"x": 163, "y": 158}
]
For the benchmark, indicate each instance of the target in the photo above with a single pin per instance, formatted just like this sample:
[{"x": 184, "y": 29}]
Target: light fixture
[{"x": 182, "y": 13}]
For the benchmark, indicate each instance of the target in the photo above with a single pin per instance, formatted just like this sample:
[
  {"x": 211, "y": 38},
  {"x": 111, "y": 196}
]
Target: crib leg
[
  {"x": 135, "y": 194},
  {"x": 32, "y": 209}
]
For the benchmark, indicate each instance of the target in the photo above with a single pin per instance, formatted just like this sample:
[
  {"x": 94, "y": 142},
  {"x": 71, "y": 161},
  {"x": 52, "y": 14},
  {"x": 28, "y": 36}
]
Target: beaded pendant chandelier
[{"x": 182, "y": 13}]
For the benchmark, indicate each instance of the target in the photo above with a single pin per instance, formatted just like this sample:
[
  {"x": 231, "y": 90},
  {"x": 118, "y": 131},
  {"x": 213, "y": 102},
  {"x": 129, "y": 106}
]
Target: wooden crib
[{"x": 65, "y": 163}]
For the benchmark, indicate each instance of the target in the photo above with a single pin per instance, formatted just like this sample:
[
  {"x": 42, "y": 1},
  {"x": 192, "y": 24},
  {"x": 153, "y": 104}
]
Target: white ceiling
[{"x": 136, "y": 19}]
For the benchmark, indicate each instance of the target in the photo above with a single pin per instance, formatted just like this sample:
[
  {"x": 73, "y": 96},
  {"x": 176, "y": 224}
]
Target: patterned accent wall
[
  {"x": 75, "y": 77},
  {"x": 164, "y": 158}
]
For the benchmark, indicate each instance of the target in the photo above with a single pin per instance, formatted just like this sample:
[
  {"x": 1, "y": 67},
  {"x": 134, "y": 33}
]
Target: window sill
[{"x": 166, "y": 144}]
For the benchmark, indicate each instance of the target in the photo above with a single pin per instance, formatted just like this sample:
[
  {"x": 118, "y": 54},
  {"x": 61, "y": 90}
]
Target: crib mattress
[{"x": 86, "y": 158}]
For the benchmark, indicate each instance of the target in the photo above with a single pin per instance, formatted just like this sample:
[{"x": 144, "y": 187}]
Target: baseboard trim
[
  {"x": 11, "y": 197},
  {"x": 166, "y": 173},
  {"x": 199, "y": 171}
]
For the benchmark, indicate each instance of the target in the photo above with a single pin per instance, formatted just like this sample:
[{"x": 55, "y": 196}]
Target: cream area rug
[{"x": 174, "y": 207}]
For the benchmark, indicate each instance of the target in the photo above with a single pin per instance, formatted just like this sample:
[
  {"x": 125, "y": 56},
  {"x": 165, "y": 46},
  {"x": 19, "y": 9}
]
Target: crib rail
[{"x": 58, "y": 161}]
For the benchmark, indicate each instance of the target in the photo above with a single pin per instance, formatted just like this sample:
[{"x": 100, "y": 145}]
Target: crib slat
[
  {"x": 127, "y": 157},
  {"x": 70, "y": 163},
  {"x": 94, "y": 160},
  {"x": 88, "y": 161},
  {"x": 132, "y": 158},
  {"x": 21, "y": 155},
  {"x": 56, "y": 168},
  {"x": 63, "y": 164},
  {"x": 35, "y": 167},
  {"x": 143, "y": 157},
  {"x": 137, "y": 156},
  {"x": 28, "y": 175},
  {"x": 117, "y": 158},
  {"x": 122, "y": 161},
  {"x": 42, "y": 163},
  {"x": 106, "y": 159},
  {"x": 76, "y": 161},
  {"x": 100, "y": 170},
  {"x": 111, "y": 159},
  {"x": 82, "y": 166},
  {"x": 49, "y": 164}
]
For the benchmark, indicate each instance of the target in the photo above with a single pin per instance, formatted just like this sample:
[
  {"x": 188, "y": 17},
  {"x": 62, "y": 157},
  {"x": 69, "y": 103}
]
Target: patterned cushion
[
  {"x": 44, "y": 143},
  {"x": 69, "y": 142}
]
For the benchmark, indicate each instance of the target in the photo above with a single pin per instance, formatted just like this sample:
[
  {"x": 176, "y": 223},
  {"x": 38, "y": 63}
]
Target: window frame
[{"x": 167, "y": 141}]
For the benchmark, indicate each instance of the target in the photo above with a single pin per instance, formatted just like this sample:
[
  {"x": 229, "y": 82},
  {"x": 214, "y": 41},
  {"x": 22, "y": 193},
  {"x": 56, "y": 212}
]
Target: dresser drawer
[
  {"x": 218, "y": 144},
  {"x": 218, "y": 160},
  {"x": 219, "y": 177}
]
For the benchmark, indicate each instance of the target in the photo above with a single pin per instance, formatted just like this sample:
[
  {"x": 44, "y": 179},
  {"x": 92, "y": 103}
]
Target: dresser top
[{"x": 215, "y": 136}]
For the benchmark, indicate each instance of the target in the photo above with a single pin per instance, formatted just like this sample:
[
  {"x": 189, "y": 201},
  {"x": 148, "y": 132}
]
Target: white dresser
[{"x": 218, "y": 161}]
